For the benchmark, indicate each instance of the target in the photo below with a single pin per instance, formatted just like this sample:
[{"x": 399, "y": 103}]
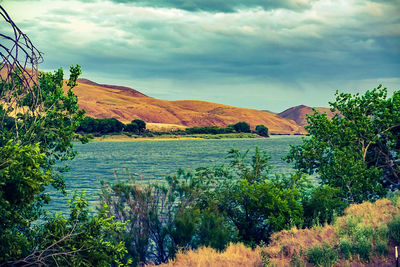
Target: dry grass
[
  {"x": 370, "y": 214},
  {"x": 164, "y": 127},
  {"x": 285, "y": 245},
  {"x": 236, "y": 255}
]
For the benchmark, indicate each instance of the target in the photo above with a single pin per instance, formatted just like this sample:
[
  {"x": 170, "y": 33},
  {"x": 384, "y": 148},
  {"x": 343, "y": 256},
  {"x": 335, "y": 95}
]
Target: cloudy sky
[{"x": 263, "y": 54}]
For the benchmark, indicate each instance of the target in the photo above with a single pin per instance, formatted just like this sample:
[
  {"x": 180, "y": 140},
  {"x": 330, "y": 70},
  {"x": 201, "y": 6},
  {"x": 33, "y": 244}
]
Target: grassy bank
[
  {"x": 164, "y": 137},
  {"x": 364, "y": 236}
]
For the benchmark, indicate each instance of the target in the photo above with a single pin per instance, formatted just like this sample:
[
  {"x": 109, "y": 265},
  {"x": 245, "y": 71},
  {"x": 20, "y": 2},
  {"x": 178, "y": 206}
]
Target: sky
[{"x": 262, "y": 54}]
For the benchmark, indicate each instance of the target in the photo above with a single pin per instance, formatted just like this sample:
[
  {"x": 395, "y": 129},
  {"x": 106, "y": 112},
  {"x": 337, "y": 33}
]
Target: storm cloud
[
  {"x": 258, "y": 54},
  {"x": 222, "y": 5}
]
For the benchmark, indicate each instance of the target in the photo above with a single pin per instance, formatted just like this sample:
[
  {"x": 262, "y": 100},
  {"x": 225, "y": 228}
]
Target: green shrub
[
  {"x": 296, "y": 261},
  {"x": 381, "y": 247},
  {"x": 346, "y": 248},
  {"x": 323, "y": 205},
  {"x": 394, "y": 229},
  {"x": 322, "y": 255},
  {"x": 363, "y": 248}
]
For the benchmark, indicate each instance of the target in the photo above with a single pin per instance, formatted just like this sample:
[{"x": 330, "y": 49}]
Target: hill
[
  {"x": 126, "y": 104},
  {"x": 299, "y": 113}
]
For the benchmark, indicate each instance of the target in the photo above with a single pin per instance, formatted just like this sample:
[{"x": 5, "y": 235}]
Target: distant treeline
[{"x": 110, "y": 125}]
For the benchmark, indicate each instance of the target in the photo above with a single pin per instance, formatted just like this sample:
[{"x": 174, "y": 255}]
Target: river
[{"x": 153, "y": 160}]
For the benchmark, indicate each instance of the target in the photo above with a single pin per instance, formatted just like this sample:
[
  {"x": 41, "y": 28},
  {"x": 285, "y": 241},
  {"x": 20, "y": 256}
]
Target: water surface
[{"x": 154, "y": 160}]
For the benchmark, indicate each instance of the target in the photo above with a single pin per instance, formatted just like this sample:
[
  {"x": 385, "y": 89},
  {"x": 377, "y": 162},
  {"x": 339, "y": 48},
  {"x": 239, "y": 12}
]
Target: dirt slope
[
  {"x": 299, "y": 113},
  {"x": 126, "y": 104}
]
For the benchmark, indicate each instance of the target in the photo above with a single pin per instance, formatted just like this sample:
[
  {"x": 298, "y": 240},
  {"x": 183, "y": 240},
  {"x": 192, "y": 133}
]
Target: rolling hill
[
  {"x": 126, "y": 104},
  {"x": 299, "y": 113}
]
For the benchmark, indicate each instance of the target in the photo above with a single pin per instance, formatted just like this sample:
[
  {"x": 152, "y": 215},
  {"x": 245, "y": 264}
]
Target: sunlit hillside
[
  {"x": 299, "y": 113},
  {"x": 125, "y": 104}
]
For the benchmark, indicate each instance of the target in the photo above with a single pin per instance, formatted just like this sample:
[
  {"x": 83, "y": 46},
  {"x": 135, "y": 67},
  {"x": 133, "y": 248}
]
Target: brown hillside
[
  {"x": 299, "y": 113},
  {"x": 126, "y": 104}
]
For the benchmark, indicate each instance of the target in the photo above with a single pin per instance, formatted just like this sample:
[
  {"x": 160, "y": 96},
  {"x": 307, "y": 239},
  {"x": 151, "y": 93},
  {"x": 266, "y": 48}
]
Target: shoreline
[
  {"x": 138, "y": 139},
  {"x": 125, "y": 138}
]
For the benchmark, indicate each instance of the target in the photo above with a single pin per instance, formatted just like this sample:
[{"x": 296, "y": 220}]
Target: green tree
[
  {"x": 357, "y": 151},
  {"x": 44, "y": 119},
  {"x": 141, "y": 125},
  {"x": 252, "y": 200},
  {"x": 262, "y": 130},
  {"x": 162, "y": 218},
  {"x": 242, "y": 127}
]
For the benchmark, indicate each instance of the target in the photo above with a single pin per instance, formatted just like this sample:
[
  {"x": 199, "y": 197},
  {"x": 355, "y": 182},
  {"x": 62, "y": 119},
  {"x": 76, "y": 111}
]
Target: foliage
[
  {"x": 322, "y": 255},
  {"x": 161, "y": 218},
  {"x": 394, "y": 229},
  {"x": 212, "y": 207},
  {"x": 262, "y": 130},
  {"x": 37, "y": 127},
  {"x": 357, "y": 151},
  {"x": 242, "y": 127},
  {"x": 101, "y": 126},
  {"x": 323, "y": 205},
  {"x": 205, "y": 130},
  {"x": 253, "y": 203},
  {"x": 136, "y": 126},
  {"x": 41, "y": 135},
  {"x": 79, "y": 240}
]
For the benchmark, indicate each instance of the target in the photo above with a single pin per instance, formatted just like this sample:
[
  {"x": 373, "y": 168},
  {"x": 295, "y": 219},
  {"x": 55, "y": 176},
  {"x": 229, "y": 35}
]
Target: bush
[
  {"x": 322, "y": 255},
  {"x": 346, "y": 248},
  {"x": 253, "y": 202},
  {"x": 394, "y": 229},
  {"x": 164, "y": 217},
  {"x": 363, "y": 248},
  {"x": 381, "y": 247},
  {"x": 324, "y": 204}
]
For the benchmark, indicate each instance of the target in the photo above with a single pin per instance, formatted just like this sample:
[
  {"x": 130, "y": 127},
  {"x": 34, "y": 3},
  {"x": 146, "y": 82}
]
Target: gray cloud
[
  {"x": 282, "y": 57},
  {"x": 222, "y": 5}
]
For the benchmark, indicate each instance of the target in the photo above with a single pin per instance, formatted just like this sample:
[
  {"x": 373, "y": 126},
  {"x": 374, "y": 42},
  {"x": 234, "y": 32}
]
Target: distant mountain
[
  {"x": 299, "y": 113},
  {"x": 126, "y": 104}
]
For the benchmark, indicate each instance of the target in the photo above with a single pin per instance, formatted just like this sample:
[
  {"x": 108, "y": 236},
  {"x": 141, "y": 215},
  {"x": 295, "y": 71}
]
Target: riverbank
[{"x": 166, "y": 137}]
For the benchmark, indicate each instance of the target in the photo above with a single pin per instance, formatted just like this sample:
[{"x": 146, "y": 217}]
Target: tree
[
  {"x": 161, "y": 218},
  {"x": 262, "y": 130},
  {"x": 136, "y": 126},
  {"x": 38, "y": 120},
  {"x": 357, "y": 151},
  {"x": 141, "y": 125},
  {"x": 242, "y": 127},
  {"x": 253, "y": 201}
]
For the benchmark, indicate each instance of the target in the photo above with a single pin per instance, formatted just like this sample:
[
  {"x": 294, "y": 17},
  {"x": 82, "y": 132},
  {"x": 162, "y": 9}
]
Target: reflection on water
[{"x": 153, "y": 160}]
